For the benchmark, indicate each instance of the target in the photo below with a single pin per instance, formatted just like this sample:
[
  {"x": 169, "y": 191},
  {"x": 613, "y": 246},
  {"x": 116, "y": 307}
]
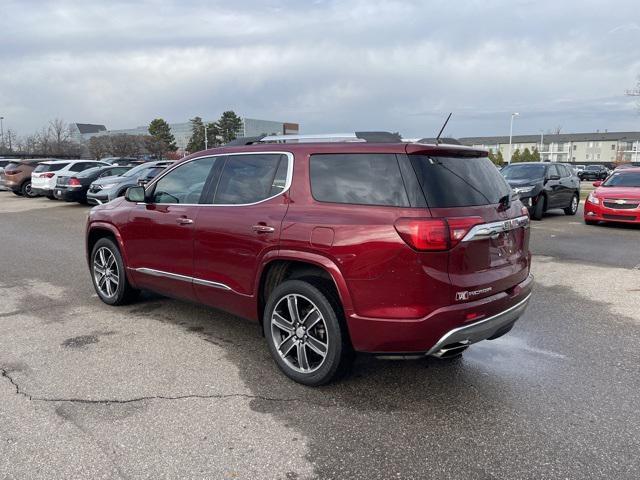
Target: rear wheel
[
  {"x": 17, "y": 192},
  {"x": 26, "y": 190},
  {"x": 305, "y": 334},
  {"x": 539, "y": 208},
  {"x": 51, "y": 197},
  {"x": 573, "y": 207},
  {"x": 108, "y": 274}
]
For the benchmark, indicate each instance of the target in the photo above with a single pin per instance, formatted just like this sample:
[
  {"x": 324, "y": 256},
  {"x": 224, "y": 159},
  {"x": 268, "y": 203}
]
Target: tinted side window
[
  {"x": 363, "y": 179},
  {"x": 459, "y": 181},
  {"x": 553, "y": 170},
  {"x": 184, "y": 184},
  {"x": 251, "y": 178}
]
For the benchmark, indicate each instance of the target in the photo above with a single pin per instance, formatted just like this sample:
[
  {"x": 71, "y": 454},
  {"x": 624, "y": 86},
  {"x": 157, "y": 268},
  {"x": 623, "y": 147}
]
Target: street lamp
[
  {"x": 206, "y": 144},
  {"x": 513, "y": 115},
  {"x": 2, "y": 132},
  {"x": 541, "y": 143}
]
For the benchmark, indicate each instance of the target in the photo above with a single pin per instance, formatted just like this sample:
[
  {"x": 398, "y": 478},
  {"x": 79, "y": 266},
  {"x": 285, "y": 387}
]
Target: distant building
[
  {"x": 81, "y": 132},
  {"x": 250, "y": 127},
  {"x": 598, "y": 147}
]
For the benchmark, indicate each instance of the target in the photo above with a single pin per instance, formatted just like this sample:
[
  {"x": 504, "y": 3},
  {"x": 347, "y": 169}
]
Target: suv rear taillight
[
  {"x": 73, "y": 182},
  {"x": 435, "y": 234},
  {"x": 47, "y": 175},
  {"x": 12, "y": 172}
]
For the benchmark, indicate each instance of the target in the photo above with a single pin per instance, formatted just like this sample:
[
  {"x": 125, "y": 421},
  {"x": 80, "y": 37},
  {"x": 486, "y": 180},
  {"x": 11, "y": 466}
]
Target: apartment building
[{"x": 603, "y": 147}]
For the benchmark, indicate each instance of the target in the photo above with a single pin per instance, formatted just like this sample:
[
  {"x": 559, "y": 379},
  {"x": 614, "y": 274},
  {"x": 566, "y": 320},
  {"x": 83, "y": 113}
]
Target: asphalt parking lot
[{"x": 167, "y": 389}]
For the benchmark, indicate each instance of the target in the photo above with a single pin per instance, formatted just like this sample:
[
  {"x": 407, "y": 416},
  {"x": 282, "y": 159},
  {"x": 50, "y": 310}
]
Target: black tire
[
  {"x": 310, "y": 296},
  {"x": 51, "y": 197},
  {"x": 123, "y": 292},
  {"x": 26, "y": 191},
  {"x": 572, "y": 209},
  {"x": 590, "y": 222},
  {"x": 538, "y": 209},
  {"x": 18, "y": 193}
]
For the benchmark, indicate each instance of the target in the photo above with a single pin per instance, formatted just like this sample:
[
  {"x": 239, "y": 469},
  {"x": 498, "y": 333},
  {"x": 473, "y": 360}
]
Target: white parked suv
[{"x": 45, "y": 175}]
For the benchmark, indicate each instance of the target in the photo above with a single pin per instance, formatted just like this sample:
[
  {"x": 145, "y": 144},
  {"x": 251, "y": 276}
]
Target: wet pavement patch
[{"x": 79, "y": 342}]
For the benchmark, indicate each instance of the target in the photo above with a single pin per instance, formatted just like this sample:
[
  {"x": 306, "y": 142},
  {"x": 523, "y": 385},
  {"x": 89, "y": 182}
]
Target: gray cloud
[{"x": 330, "y": 65}]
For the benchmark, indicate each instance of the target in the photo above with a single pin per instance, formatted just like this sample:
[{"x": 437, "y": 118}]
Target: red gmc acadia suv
[{"x": 349, "y": 243}]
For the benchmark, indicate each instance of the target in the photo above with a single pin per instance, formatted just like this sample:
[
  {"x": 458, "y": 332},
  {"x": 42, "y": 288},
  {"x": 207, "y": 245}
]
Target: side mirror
[
  {"x": 597, "y": 184},
  {"x": 135, "y": 194}
]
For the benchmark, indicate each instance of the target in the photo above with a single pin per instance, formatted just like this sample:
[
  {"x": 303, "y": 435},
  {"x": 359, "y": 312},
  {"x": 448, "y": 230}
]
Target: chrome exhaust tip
[{"x": 452, "y": 349}]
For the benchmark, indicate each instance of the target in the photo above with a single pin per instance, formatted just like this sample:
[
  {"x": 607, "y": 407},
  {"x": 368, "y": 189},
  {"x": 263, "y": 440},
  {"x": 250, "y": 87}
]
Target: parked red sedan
[{"x": 617, "y": 199}]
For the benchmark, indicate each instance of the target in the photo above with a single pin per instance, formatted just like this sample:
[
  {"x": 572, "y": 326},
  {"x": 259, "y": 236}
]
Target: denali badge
[{"x": 466, "y": 295}]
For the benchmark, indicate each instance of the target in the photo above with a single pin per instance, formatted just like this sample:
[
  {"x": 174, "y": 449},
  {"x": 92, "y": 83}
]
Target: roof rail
[
  {"x": 375, "y": 137},
  {"x": 243, "y": 141}
]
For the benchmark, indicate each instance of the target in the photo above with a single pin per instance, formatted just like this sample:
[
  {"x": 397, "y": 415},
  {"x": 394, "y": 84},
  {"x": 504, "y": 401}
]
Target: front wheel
[
  {"x": 538, "y": 208},
  {"x": 573, "y": 206},
  {"x": 108, "y": 274},
  {"x": 305, "y": 334}
]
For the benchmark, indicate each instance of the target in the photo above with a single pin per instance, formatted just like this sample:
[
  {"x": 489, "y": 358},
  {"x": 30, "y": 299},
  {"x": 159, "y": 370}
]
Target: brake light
[
  {"x": 73, "y": 182},
  {"x": 11, "y": 172},
  {"x": 47, "y": 175},
  {"x": 435, "y": 234},
  {"x": 524, "y": 211}
]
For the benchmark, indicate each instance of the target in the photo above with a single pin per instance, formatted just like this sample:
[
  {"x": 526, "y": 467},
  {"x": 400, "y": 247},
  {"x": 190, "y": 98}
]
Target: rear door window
[
  {"x": 49, "y": 167},
  {"x": 359, "y": 178},
  {"x": 459, "y": 181},
  {"x": 251, "y": 178}
]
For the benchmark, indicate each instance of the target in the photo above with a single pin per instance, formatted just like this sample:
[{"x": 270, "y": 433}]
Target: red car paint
[
  {"x": 395, "y": 299},
  {"x": 614, "y": 203}
]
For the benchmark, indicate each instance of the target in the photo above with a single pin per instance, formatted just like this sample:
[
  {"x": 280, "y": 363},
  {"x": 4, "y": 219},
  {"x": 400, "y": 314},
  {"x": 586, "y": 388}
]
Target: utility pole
[
  {"x": 2, "y": 132},
  {"x": 206, "y": 143},
  {"x": 513, "y": 115},
  {"x": 632, "y": 93}
]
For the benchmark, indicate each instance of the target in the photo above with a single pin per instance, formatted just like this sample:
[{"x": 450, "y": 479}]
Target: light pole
[
  {"x": 2, "y": 132},
  {"x": 206, "y": 144},
  {"x": 513, "y": 115}
]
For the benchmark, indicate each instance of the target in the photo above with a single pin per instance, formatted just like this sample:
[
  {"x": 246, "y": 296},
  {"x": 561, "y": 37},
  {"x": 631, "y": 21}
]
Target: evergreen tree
[
  {"x": 535, "y": 155},
  {"x": 515, "y": 157},
  {"x": 160, "y": 130},
  {"x": 229, "y": 124},
  {"x": 213, "y": 135},
  {"x": 499, "y": 158},
  {"x": 526, "y": 155},
  {"x": 196, "y": 142}
]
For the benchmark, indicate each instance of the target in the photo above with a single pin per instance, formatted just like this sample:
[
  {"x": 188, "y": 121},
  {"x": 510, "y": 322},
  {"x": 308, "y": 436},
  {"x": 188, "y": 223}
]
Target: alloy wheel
[
  {"x": 574, "y": 204},
  {"x": 105, "y": 272},
  {"x": 299, "y": 333}
]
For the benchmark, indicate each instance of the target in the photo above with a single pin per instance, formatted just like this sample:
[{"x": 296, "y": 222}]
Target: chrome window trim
[
  {"x": 184, "y": 278},
  {"x": 491, "y": 230},
  {"x": 287, "y": 185}
]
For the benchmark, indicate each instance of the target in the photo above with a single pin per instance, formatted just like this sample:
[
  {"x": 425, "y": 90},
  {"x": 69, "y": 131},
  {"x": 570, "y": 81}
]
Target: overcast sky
[{"x": 340, "y": 65}]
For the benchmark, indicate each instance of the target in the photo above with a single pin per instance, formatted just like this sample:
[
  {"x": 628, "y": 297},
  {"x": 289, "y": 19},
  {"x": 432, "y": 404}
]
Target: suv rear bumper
[{"x": 459, "y": 324}]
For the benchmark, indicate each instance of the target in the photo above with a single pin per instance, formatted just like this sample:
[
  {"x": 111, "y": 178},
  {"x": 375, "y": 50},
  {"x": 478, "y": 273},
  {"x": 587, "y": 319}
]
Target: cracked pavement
[{"x": 168, "y": 389}]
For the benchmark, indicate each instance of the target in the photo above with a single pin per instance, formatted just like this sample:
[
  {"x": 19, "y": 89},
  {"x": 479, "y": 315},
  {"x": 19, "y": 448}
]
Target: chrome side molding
[
  {"x": 493, "y": 229},
  {"x": 183, "y": 278}
]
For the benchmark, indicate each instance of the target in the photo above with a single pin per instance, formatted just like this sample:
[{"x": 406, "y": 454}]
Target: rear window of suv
[
  {"x": 459, "y": 181},
  {"x": 362, "y": 179},
  {"x": 50, "y": 167}
]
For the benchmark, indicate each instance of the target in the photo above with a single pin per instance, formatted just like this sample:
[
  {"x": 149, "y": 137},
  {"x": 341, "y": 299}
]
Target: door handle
[
  {"x": 263, "y": 229},
  {"x": 184, "y": 221}
]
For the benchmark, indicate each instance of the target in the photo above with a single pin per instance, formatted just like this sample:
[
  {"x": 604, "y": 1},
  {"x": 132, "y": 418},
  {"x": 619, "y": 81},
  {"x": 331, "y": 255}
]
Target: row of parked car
[
  {"x": 545, "y": 186},
  {"x": 85, "y": 181}
]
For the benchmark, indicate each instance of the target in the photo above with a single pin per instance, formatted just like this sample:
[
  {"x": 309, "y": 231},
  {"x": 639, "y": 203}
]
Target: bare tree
[
  {"x": 99, "y": 147},
  {"x": 123, "y": 145}
]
